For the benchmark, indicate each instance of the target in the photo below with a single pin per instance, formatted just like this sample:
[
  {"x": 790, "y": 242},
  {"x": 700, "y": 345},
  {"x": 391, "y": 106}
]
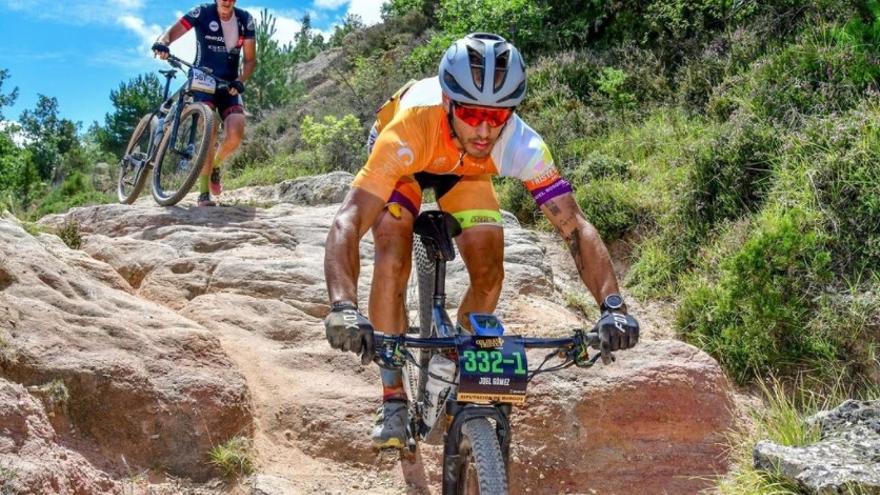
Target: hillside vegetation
[{"x": 733, "y": 144}]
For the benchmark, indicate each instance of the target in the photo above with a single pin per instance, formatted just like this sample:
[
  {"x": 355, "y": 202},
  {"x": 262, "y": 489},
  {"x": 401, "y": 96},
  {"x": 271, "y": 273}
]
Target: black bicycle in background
[
  {"x": 461, "y": 387},
  {"x": 172, "y": 140}
]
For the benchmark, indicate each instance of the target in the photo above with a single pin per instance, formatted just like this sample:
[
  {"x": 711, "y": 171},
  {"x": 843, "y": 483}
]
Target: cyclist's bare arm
[
  {"x": 250, "y": 59},
  {"x": 342, "y": 254},
  {"x": 173, "y": 33},
  {"x": 589, "y": 252}
]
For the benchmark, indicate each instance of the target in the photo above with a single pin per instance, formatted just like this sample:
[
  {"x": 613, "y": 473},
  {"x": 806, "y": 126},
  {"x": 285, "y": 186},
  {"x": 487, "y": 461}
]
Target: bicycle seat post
[
  {"x": 169, "y": 75},
  {"x": 440, "y": 282}
]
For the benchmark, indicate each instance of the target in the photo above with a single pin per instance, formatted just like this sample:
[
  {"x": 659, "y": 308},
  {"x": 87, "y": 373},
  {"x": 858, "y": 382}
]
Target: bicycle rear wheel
[
  {"x": 133, "y": 167},
  {"x": 481, "y": 467},
  {"x": 424, "y": 273},
  {"x": 179, "y": 164}
]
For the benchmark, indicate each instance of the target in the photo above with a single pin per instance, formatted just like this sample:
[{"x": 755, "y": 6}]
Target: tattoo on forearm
[
  {"x": 574, "y": 246},
  {"x": 554, "y": 208}
]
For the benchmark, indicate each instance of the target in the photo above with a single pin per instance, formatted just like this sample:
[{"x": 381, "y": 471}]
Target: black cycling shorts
[{"x": 221, "y": 101}]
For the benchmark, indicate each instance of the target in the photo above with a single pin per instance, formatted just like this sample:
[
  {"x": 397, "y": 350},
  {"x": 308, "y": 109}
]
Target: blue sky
[{"x": 77, "y": 51}]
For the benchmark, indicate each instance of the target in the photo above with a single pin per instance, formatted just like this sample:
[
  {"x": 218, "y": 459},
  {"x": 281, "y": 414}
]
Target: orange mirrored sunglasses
[{"x": 474, "y": 116}]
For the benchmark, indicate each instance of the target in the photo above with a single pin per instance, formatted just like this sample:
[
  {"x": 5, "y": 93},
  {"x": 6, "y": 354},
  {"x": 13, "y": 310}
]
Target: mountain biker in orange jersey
[
  {"x": 452, "y": 133},
  {"x": 223, "y": 32}
]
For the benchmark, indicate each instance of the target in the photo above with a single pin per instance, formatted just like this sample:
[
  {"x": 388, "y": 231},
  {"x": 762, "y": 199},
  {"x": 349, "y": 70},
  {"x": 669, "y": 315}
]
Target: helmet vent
[
  {"x": 453, "y": 85},
  {"x": 478, "y": 67},
  {"x": 502, "y": 61}
]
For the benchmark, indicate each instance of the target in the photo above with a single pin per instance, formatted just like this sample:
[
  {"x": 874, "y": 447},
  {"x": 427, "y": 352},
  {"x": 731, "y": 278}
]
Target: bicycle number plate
[
  {"x": 203, "y": 82},
  {"x": 492, "y": 369}
]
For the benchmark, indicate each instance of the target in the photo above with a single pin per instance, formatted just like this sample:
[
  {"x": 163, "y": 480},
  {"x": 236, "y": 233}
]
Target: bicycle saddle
[
  {"x": 436, "y": 229},
  {"x": 170, "y": 73}
]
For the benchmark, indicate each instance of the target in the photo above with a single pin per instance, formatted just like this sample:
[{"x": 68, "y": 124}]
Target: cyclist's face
[
  {"x": 225, "y": 6},
  {"x": 477, "y": 140}
]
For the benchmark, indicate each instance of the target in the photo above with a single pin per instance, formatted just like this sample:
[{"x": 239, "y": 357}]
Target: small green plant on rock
[
  {"x": 233, "y": 457},
  {"x": 69, "y": 233},
  {"x": 579, "y": 302}
]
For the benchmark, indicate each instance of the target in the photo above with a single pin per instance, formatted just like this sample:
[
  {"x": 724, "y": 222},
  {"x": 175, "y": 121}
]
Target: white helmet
[{"x": 483, "y": 69}]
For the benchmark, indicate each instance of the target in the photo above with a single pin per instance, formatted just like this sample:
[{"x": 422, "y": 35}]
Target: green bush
[
  {"x": 655, "y": 272},
  {"x": 595, "y": 165},
  {"x": 611, "y": 206},
  {"x": 424, "y": 59},
  {"x": 339, "y": 143},
  {"x": 520, "y": 21},
  {"x": 732, "y": 177},
  {"x": 76, "y": 190},
  {"x": 279, "y": 168},
  {"x": 820, "y": 73},
  {"x": 837, "y": 160},
  {"x": 513, "y": 197},
  {"x": 750, "y": 310}
]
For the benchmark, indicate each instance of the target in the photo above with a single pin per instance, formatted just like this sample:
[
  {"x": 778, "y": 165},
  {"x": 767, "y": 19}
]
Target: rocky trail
[{"x": 173, "y": 329}]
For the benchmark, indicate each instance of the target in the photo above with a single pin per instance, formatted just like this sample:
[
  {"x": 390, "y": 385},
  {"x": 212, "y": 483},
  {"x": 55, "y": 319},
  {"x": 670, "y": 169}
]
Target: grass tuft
[{"x": 233, "y": 458}]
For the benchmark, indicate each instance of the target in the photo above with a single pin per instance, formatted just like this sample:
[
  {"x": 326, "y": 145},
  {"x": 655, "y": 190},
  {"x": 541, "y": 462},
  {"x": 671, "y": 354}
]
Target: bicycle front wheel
[
  {"x": 481, "y": 467},
  {"x": 133, "y": 167},
  {"x": 179, "y": 163}
]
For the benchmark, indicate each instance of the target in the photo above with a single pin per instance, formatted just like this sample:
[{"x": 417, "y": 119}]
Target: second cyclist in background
[{"x": 223, "y": 33}]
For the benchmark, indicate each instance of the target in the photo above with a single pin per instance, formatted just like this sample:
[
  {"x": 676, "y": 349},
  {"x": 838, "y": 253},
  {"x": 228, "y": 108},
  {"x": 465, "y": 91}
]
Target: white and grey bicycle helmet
[{"x": 483, "y": 69}]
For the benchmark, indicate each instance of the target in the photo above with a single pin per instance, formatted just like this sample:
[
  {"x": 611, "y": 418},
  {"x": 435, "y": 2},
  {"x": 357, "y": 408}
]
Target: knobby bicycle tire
[
  {"x": 419, "y": 294},
  {"x": 133, "y": 146},
  {"x": 481, "y": 467},
  {"x": 163, "y": 167},
  {"x": 425, "y": 275}
]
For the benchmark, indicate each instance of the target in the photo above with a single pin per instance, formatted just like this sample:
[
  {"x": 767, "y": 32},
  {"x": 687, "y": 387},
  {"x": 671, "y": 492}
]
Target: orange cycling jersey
[{"x": 412, "y": 136}]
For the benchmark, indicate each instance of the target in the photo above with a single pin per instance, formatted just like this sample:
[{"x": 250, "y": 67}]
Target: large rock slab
[
  {"x": 847, "y": 457},
  {"x": 311, "y": 191},
  {"x": 650, "y": 423},
  {"x": 140, "y": 382},
  {"x": 31, "y": 458}
]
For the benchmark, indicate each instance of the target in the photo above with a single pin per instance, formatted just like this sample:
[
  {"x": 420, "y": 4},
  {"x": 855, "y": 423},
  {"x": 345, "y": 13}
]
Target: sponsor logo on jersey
[
  {"x": 194, "y": 13},
  {"x": 214, "y": 26},
  {"x": 250, "y": 24},
  {"x": 405, "y": 154},
  {"x": 214, "y": 38}
]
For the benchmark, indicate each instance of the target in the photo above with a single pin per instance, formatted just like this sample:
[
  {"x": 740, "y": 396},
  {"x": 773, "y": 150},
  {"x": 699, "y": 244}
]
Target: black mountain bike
[
  {"x": 173, "y": 138},
  {"x": 471, "y": 416}
]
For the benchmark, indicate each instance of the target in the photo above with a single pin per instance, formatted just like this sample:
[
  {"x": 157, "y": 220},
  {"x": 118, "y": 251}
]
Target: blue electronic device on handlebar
[{"x": 486, "y": 324}]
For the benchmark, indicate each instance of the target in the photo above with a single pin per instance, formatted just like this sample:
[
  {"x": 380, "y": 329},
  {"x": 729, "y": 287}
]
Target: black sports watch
[{"x": 613, "y": 302}]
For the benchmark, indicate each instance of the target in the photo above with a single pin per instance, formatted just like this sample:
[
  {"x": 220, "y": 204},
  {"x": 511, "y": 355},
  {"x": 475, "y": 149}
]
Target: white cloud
[
  {"x": 148, "y": 33},
  {"x": 369, "y": 10},
  {"x": 185, "y": 47},
  {"x": 330, "y": 4}
]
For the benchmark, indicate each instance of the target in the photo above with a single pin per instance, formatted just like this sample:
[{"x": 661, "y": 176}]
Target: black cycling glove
[
  {"x": 349, "y": 330},
  {"x": 617, "y": 331},
  {"x": 160, "y": 47},
  {"x": 238, "y": 85}
]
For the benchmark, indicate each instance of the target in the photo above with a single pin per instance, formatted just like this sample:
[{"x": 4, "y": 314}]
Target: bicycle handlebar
[
  {"x": 590, "y": 339},
  {"x": 178, "y": 62},
  {"x": 571, "y": 349}
]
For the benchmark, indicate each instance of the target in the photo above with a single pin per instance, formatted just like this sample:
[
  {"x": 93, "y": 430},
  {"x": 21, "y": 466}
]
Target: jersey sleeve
[
  {"x": 250, "y": 27},
  {"x": 523, "y": 154},
  {"x": 191, "y": 18},
  {"x": 400, "y": 150}
]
